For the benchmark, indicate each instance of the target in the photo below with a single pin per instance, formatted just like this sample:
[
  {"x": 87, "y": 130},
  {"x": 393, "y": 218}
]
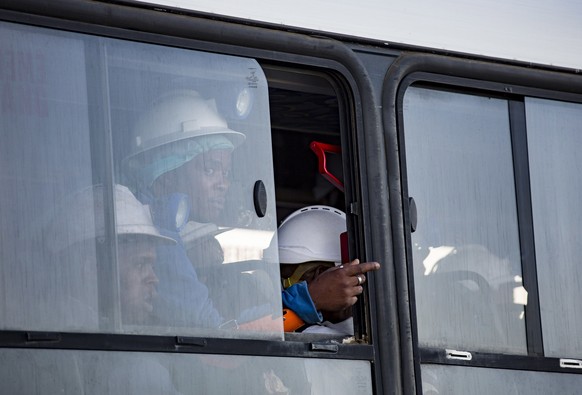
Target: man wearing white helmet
[
  {"x": 74, "y": 236},
  {"x": 182, "y": 145},
  {"x": 182, "y": 149},
  {"x": 68, "y": 285},
  {"x": 81, "y": 223},
  {"x": 318, "y": 288}
]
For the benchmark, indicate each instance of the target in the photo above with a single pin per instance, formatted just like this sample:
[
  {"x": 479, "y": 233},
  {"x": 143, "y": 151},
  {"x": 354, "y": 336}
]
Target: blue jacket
[
  {"x": 182, "y": 298},
  {"x": 297, "y": 298}
]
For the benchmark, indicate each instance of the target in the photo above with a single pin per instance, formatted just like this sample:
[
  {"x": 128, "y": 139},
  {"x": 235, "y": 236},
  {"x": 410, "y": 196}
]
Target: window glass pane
[
  {"x": 554, "y": 142},
  {"x": 163, "y": 147},
  {"x": 440, "y": 379},
  {"x": 45, "y": 156},
  {"x": 192, "y": 132},
  {"x": 97, "y": 372},
  {"x": 466, "y": 248}
]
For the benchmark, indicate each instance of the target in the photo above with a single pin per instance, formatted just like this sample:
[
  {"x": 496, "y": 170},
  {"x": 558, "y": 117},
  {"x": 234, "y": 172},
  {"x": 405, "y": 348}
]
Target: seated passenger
[
  {"x": 180, "y": 165},
  {"x": 318, "y": 289},
  {"x": 80, "y": 226},
  {"x": 80, "y": 230}
]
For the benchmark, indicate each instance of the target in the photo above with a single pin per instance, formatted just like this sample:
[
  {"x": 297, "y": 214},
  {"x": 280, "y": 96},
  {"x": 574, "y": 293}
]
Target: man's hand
[{"x": 338, "y": 288}]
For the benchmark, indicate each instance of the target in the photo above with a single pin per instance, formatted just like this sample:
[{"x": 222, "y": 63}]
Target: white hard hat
[
  {"x": 178, "y": 116},
  {"x": 311, "y": 234},
  {"x": 83, "y": 218}
]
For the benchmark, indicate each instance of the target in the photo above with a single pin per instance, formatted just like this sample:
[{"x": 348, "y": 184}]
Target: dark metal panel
[
  {"x": 498, "y": 361},
  {"x": 533, "y": 321},
  {"x": 392, "y": 320},
  {"x": 181, "y": 344}
]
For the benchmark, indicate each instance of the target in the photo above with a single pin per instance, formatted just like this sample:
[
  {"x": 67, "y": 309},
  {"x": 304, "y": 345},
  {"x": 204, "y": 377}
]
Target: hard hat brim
[{"x": 149, "y": 232}]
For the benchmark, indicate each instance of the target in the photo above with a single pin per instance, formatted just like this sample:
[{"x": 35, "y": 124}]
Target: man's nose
[
  {"x": 222, "y": 180},
  {"x": 151, "y": 276}
]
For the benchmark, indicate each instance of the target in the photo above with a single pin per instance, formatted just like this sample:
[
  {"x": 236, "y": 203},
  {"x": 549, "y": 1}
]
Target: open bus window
[{"x": 305, "y": 108}]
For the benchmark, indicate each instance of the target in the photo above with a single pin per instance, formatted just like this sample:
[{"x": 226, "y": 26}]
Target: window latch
[
  {"x": 190, "y": 341},
  {"x": 570, "y": 363},
  {"x": 43, "y": 337},
  {"x": 324, "y": 346},
  {"x": 460, "y": 355}
]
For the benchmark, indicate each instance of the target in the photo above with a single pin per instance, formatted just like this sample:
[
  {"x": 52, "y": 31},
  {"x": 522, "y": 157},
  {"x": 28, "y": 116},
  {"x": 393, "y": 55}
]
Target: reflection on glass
[
  {"x": 96, "y": 372},
  {"x": 465, "y": 253},
  {"x": 554, "y": 142},
  {"x": 440, "y": 379}
]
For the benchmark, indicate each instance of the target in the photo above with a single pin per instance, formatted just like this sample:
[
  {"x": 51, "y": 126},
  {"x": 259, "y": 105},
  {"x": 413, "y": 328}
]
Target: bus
[{"x": 448, "y": 133}]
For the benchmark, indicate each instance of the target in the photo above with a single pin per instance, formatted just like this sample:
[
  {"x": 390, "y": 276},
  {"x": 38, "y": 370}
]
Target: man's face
[
  {"x": 206, "y": 179},
  {"x": 138, "y": 279}
]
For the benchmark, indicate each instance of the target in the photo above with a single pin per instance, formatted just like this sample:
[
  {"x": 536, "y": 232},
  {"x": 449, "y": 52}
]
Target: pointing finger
[{"x": 354, "y": 267}]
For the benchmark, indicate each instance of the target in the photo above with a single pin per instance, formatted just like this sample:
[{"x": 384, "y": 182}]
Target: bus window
[
  {"x": 101, "y": 127},
  {"x": 553, "y": 146},
  {"x": 301, "y": 114},
  {"x": 306, "y": 107},
  {"x": 466, "y": 252}
]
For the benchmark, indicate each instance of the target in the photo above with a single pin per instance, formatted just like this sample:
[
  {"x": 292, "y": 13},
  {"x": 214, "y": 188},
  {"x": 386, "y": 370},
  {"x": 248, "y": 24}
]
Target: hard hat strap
[{"x": 300, "y": 272}]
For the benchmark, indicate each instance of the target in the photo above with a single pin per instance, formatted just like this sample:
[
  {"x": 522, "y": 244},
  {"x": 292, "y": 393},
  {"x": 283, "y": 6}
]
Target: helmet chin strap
[{"x": 302, "y": 268}]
